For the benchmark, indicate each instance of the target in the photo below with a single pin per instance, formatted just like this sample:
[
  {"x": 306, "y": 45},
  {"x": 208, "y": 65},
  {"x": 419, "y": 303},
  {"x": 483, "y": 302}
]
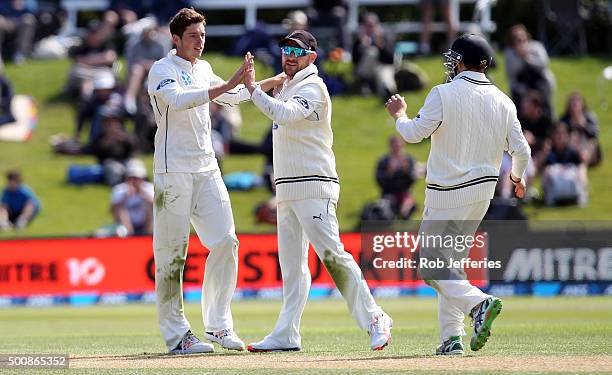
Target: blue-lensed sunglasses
[{"x": 297, "y": 52}]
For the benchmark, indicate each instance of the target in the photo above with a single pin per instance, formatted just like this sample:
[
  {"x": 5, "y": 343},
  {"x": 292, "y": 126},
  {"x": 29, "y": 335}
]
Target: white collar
[
  {"x": 181, "y": 61},
  {"x": 472, "y": 75},
  {"x": 299, "y": 76}
]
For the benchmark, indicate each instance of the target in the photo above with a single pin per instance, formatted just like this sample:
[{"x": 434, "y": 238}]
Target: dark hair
[
  {"x": 184, "y": 18},
  {"x": 13, "y": 175},
  {"x": 394, "y": 137},
  {"x": 475, "y": 68},
  {"x": 559, "y": 126}
]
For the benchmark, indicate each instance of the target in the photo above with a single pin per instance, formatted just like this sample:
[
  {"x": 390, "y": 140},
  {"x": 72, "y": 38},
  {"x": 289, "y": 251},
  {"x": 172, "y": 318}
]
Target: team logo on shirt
[
  {"x": 165, "y": 82},
  {"x": 186, "y": 78},
  {"x": 303, "y": 102}
]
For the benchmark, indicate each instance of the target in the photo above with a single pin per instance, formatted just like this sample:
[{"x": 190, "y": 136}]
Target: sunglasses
[{"x": 297, "y": 52}]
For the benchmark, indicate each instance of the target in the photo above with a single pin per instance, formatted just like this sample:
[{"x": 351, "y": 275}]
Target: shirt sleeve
[
  {"x": 231, "y": 98},
  {"x": 118, "y": 193},
  {"x": 517, "y": 147},
  {"x": 537, "y": 55},
  {"x": 308, "y": 100},
  {"x": 425, "y": 123},
  {"x": 163, "y": 84}
]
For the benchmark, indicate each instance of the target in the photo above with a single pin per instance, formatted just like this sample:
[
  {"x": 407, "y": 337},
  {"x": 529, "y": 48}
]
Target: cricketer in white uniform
[
  {"x": 189, "y": 188},
  {"x": 307, "y": 191},
  {"x": 471, "y": 123}
]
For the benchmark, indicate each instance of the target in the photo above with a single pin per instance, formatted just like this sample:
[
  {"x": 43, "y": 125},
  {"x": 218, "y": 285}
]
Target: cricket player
[
  {"x": 471, "y": 123},
  {"x": 307, "y": 191},
  {"x": 189, "y": 188}
]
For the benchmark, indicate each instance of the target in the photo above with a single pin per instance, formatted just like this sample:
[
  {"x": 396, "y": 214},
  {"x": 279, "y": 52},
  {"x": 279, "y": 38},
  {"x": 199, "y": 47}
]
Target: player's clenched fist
[{"x": 396, "y": 106}]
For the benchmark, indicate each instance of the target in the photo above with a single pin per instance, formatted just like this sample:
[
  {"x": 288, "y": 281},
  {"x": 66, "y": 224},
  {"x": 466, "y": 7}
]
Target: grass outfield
[
  {"x": 531, "y": 335},
  {"x": 361, "y": 128}
]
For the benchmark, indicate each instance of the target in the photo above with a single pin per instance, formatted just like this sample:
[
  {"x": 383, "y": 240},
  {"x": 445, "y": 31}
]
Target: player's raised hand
[
  {"x": 248, "y": 62},
  {"x": 396, "y": 106},
  {"x": 249, "y": 74}
]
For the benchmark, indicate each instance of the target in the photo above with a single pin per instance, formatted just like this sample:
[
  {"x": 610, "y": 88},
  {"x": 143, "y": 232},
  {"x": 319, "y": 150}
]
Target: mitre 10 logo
[{"x": 80, "y": 272}]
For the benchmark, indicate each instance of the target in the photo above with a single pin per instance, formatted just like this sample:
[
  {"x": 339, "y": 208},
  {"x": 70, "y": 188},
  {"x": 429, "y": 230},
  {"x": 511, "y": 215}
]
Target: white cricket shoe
[
  {"x": 190, "y": 344},
  {"x": 265, "y": 346},
  {"x": 226, "y": 338},
  {"x": 380, "y": 331}
]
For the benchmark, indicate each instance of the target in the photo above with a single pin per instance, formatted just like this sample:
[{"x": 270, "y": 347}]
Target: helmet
[{"x": 472, "y": 49}]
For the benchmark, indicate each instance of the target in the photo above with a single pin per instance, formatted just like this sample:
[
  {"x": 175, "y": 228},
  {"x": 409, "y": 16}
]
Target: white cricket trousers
[
  {"x": 314, "y": 220},
  {"x": 456, "y": 298},
  {"x": 202, "y": 199}
]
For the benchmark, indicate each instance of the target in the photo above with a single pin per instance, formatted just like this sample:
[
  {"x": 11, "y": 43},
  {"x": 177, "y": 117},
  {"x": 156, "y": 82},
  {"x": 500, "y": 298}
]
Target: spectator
[
  {"x": 564, "y": 179},
  {"x": 163, "y": 10},
  {"x": 535, "y": 121},
  {"x": 51, "y": 20},
  {"x": 427, "y": 20},
  {"x": 114, "y": 147},
  {"x": 104, "y": 84},
  {"x": 6, "y": 97},
  {"x": 262, "y": 45},
  {"x": 373, "y": 58},
  {"x": 296, "y": 20},
  {"x": 395, "y": 174},
  {"x": 17, "y": 23},
  {"x": 140, "y": 57},
  {"x": 527, "y": 67},
  {"x": 96, "y": 54},
  {"x": 89, "y": 110},
  {"x": 132, "y": 201},
  {"x": 330, "y": 14},
  {"x": 19, "y": 203},
  {"x": 129, "y": 11},
  {"x": 583, "y": 127}
]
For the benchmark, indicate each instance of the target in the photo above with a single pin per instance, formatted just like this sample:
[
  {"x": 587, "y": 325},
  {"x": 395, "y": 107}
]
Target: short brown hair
[{"x": 183, "y": 19}]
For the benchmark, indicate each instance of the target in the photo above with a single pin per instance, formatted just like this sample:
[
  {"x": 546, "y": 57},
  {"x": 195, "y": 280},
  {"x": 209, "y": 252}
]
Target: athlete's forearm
[
  {"x": 415, "y": 130},
  {"x": 270, "y": 83},
  {"x": 217, "y": 90},
  {"x": 282, "y": 113}
]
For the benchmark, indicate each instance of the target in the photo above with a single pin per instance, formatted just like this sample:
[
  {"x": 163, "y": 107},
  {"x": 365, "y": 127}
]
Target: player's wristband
[{"x": 516, "y": 182}]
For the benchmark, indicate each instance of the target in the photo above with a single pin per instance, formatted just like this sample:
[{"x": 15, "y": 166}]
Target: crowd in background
[{"x": 562, "y": 149}]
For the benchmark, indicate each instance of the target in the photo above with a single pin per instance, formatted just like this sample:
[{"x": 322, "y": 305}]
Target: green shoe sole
[{"x": 480, "y": 339}]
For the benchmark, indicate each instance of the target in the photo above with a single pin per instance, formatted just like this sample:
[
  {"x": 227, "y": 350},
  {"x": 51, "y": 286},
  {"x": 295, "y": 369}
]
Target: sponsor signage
[
  {"x": 565, "y": 260},
  {"x": 115, "y": 265}
]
